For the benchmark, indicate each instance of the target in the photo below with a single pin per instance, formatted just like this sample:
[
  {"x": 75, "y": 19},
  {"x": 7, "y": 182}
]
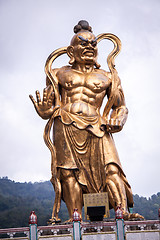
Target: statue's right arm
[{"x": 44, "y": 106}]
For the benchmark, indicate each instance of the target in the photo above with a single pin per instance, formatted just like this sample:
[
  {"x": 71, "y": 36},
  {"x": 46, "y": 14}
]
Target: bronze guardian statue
[{"x": 84, "y": 156}]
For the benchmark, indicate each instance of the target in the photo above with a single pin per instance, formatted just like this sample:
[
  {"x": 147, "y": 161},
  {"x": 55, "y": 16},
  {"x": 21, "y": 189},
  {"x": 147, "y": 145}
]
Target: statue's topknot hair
[{"x": 82, "y": 25}]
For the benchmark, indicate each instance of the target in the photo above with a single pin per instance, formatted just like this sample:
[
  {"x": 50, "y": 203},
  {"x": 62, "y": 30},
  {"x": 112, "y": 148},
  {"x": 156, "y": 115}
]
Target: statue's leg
[
  {"x": 116, "y": 188},
  {"x": 72, "y": 192},
  {"x": 57, "y": 200},
  {"x": 117, "y": 192}
]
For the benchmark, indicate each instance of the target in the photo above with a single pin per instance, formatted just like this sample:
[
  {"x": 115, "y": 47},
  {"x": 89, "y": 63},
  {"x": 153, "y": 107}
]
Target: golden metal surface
[{"x": 84, "y": 156}]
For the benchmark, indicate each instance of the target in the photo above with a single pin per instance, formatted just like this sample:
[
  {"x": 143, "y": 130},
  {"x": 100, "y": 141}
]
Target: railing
[
  {"x": 142, "y": 230},
  {"x": 87, "y": 230},
  {"x": 16, "y": 233},
  {"x": 55, "y": 231}
]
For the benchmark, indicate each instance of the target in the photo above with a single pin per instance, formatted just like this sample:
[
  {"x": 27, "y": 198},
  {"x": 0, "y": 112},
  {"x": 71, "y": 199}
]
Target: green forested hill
[{"x": 17, "y": 200}]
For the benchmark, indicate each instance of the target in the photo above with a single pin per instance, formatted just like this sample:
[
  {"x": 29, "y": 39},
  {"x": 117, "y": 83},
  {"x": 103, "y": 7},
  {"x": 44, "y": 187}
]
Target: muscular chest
[{"x": 96, "y": 82}]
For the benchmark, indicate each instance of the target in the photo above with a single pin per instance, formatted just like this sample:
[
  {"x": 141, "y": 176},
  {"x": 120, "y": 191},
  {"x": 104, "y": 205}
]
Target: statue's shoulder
[
  {"x": 59, "y": 73},
  {"x": 64, "y": 69},
  {"x": 102, "y": 71},
  {"x": 61, "y": 70},
  {"x": 64, "y": 74}
]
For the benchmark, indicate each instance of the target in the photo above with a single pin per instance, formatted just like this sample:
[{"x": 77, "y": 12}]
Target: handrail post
[{"x": 33, "y": 226}]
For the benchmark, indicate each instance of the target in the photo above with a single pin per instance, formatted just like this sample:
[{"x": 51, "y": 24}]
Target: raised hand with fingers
[{"x": 44, "y": 107}]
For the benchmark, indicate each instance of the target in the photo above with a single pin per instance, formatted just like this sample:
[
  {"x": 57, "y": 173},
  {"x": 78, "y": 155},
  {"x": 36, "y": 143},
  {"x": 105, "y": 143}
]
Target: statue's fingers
[
  {"x": 45, "y": 95},
  {"x": 120, "y": 123},
  {"x": 33, "y": 101},
  {"x": 115, "y": 122},
  {"x": 112, "y": 121},
  {"x": 38, "y": 97},
  {"x": 50, "y": 100}
]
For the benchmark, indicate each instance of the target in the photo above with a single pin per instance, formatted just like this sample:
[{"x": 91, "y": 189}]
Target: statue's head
[{"x": 83, "y": 47}]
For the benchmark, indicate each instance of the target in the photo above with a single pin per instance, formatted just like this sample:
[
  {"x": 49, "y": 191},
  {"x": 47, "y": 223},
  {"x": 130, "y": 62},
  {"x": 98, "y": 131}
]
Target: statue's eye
[
  {"x": 84, "y": 43},
  {"x": 94, "y": 44}
]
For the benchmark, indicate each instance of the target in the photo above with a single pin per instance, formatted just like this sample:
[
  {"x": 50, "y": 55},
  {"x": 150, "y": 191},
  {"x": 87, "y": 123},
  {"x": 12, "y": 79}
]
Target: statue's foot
[
  {"x": 132, "y": 216},
  {"x": 69, "y": 220},
  {"x": 54, "y": 220}
]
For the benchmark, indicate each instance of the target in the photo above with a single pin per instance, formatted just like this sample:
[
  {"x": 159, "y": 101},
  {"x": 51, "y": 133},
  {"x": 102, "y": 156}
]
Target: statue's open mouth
[{"x": 88, "y": 53}]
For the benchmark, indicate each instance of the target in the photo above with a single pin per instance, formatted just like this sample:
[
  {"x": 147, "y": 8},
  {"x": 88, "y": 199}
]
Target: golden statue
[{"x": 84, "y": 156}]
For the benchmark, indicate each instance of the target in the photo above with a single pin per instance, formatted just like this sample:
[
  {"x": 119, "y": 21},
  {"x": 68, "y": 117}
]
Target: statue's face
[{"x": 84, "y": 48}]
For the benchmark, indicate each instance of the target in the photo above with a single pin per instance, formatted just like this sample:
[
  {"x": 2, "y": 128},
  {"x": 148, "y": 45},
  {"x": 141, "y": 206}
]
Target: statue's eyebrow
[{"x": 82, "y": 38}]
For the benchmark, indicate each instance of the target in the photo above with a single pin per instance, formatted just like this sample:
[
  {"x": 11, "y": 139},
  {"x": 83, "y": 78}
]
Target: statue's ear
[
  {"x": 71, "y": 54},
  {"x": 70, "y": 51}
]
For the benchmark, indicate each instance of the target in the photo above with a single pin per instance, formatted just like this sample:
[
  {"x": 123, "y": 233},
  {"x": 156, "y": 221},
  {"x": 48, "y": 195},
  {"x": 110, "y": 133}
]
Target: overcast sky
[{"x": 30, "y": 31}]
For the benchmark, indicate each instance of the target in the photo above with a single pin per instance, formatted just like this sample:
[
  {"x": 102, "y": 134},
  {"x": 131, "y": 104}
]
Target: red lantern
[
  {"x": 119, "y": 213},
  {"x": 76, "y": 216},
  {"x": 32, "y": 218}
]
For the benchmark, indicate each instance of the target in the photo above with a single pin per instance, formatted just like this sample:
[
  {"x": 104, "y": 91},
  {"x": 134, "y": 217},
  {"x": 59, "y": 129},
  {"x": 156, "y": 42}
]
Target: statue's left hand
[
  {"x": 44, "y": 107},
  {"x": 117, "y": 119},
  {"x": 114, "y": 125}
]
